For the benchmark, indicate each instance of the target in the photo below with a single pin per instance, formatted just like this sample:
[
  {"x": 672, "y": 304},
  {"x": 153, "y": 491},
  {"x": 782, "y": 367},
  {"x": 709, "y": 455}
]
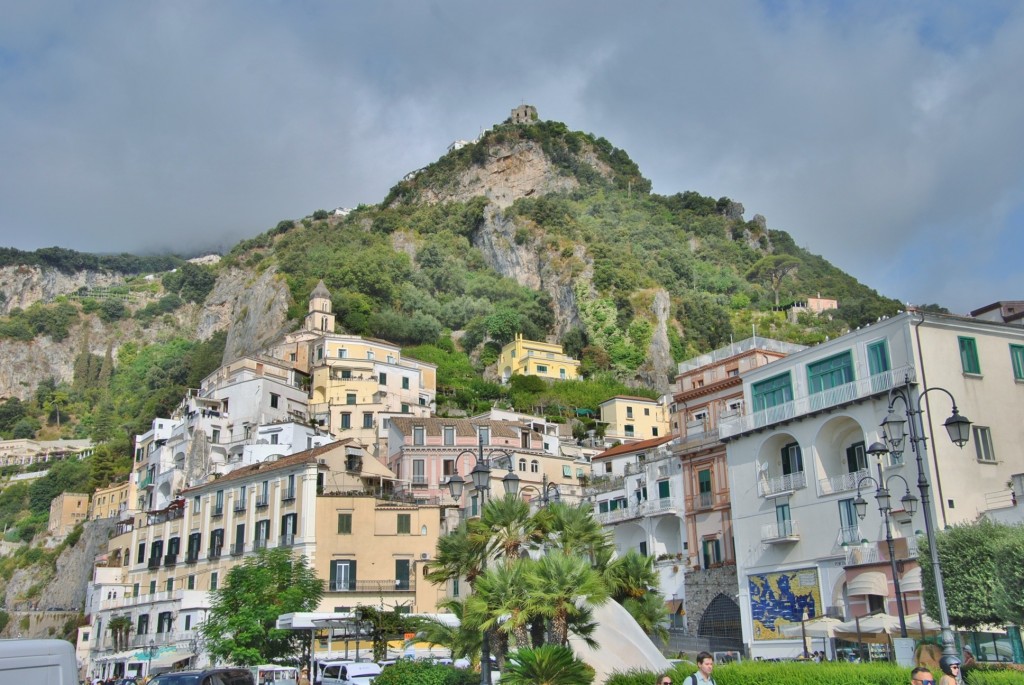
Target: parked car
[
  {"x": 211, "y": 676},
  {"x": 350, "y": 673}
]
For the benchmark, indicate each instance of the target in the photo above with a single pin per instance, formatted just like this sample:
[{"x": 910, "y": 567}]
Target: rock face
[
  {"x": 254, "y": 309},
  {"x": 656, "y": 370},
  {"x": 20, "y": 286}
]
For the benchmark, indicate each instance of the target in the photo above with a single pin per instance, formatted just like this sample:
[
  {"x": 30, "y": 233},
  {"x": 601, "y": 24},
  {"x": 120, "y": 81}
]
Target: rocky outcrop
[
  {"x": 254, "y": 309},
  {"x": 20, "y": 286},
  {"x": 658, "y": 369}
]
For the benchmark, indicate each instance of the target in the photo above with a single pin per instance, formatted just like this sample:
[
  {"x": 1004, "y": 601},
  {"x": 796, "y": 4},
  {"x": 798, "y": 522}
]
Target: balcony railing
[
  {"x": 286, "y": 540},
  {"x": 782, "y": 531},
  {"x": 419, "y": 480},
  {"x": 602, "y": 484},
  {"x": 217, "y": 511},
  {"x": 288, "y": 496},
  {"x": 375, "y": 586},
  {"x": 240, "y": 506},
  {"x": 844, "y": 482},
  {"x": 146, "y": 482},
  {"x": 262, "y": 501},
  {"x": 772, "y": 487},
  {"x": 214, "y": 552},
  {"x": 858, "y": 554},
  {"x": 259, "y": 543},
  {"x": 192, "y": 557},
  {"x": 154, "y": 562},
  {"x": 842, "y": 394},
  {"x": 705, "y": 500},
  {"x": 170, "y": 559},
  {"x": 237, "y": 549},
  {"x": 849, "y": 535},
  {"x": 635, "y": 467}
]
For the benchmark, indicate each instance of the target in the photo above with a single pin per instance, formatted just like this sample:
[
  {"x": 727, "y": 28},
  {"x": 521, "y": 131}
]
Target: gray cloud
[{"x": 882, "y": 136}]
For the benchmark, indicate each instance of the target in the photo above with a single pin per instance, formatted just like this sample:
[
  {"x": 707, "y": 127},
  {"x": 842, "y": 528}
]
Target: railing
[
  {"x": 604, "y": 484},
  {"x": 286, "y": 540},
  {"x": 842, "y": 394},
  {"x": 635, "y": 467},
  {"x": 214, "y": 552},
  {"x": 154, "y": 562},
  {"x": 237, "y": 549},
  {"x": 376, "y": 586},
  {"x": 262, "y": 501},
  {"x": 170, "y": 560},
  {"x": 654, "y": 507},
  {"x": 218, "y": 511},
  {"x": 616, "y": 515},
  {"x": 192, "y": 557},
  {"x": 844, "y": 482},
  {"x": 863, "y": 555},
  {"x": 708, "y": 435},
  {"x": 912, "y": 550},
  {"x": 736, "y": 348},
  {"x": 706, "y": 500},
  {"x": 240, "y": 506},
  {"x": 418, "y": 479},
  {"x": 288, "y": 496},
  {"x": 769, "y": 487},
  {"x": 782, "y": 531},
  {"x": 849, "y": 535},
  {"x": 259, "y": 543},
  {"x": 146, "y": 482}
]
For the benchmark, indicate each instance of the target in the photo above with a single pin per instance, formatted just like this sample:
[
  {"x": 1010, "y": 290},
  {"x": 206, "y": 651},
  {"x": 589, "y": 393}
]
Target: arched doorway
[{"x": 721, "y": 622}]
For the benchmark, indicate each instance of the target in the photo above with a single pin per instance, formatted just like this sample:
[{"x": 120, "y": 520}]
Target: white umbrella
[{"x": 819, "y": 626}]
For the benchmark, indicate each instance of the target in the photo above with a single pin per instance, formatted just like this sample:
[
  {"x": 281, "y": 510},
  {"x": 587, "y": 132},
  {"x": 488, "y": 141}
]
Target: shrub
[
  {"x": 424, "y": 673},
  {"x": 789, "y": 672}
]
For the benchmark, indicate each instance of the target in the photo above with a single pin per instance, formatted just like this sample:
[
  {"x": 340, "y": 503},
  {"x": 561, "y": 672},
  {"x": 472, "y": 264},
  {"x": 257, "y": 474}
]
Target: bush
[
  {"x": 789, "y": 672},
  {"x": 424, "y": 673}
]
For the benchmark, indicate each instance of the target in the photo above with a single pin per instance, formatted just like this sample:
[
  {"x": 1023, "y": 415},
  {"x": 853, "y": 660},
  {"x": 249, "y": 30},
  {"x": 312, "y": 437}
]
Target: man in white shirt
[{"x": 705, "y": 664}]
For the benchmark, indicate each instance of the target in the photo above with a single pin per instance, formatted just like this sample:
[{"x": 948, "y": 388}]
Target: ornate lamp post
[
  {"x": 884, "y": 500},
  {"x": 894, "y": 428},
  {"x": 149, "y": 667},
  {"x": 481, "y": 477}
]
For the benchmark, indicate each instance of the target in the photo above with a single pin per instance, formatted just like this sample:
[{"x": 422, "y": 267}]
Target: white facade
[{"x": 796, "y": 461}]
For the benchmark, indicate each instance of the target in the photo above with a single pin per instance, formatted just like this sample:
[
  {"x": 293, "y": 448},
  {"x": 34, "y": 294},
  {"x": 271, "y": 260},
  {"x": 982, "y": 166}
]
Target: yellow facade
[
  {"x": 67, "y": 510},
  {"x": 111, "y": 501},
  {"x": 532, "y": 358},
  {"x": 629, "y": 419}
]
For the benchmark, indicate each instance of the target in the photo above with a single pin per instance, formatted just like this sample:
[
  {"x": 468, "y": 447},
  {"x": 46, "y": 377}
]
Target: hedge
[{"x": 425, "y": 673}]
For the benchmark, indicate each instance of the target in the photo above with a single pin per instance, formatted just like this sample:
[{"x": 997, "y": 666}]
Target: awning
[
  {"x": 869, "y": 583},
  {"x": 163, "y": 662},
  {"x": 372, "y": 467},
  {"x": 911, "y": 580}
]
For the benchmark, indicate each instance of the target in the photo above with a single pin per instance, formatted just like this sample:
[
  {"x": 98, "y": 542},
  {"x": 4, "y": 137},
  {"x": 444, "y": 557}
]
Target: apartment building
[
  {"x": 798, "y": 458},
  {"x": 632, "y": 419},
  {"x": 113, "y": 501},
  {"x": 23, "y": 451},
  {"x": 533, "y": 358},
  {"x": 331, "y": 504},
  {"x": 67, "y": 510},
  {"x": 710, "y": 391}
]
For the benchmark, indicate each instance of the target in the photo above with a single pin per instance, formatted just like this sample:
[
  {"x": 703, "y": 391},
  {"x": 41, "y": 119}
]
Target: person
[
  {"x": 969, "y": 661},
  {"x": 705, "y": 664},
  {"x": 663, "y": 679},
  {"x": 950, "y": 666},
  {"x": 304, "y": 676},
  {"x": 921, "y": 676}
]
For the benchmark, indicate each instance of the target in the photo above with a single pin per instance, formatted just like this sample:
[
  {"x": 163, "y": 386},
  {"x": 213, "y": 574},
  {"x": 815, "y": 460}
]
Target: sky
[{"x": 885, "y": 136}]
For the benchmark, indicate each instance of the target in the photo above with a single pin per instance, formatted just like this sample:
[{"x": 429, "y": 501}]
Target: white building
[{"x": 797, "y": 457}]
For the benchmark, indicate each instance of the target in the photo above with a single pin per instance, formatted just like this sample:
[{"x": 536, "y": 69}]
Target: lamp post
[
  {"x": 884, "y": 500},
  {"x": 481, "y": 477},
  {"x": 149, "y": 666},
  {"x": 894, "y": 429},
  {"x": 546, "y": 488}
]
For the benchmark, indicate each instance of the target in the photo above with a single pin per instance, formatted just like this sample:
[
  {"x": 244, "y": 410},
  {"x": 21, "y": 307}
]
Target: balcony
[
  {"x": 170, "y": 560},
  {"x": 635, "y": 468},
  {"x": 217, "y": 511},
  {"x": 286, "y": 540},
  {"x": 844, "y": 482},
  {"x": 259, "y": 543},
  {"x": 288, "y": 496},
  {"x": 602, "y": 484},
  {"x": 780, "y": 533},
  {"x": 849, "y": 535},
  {"x": 781, "y": 485},
  {"x": 192, "y": 557},
  {"x": 262, "y": 501},
  {"x": 146, "y": 482},
  {"x": 374, "y": 586},
  {"x": 237, "y": 549},
  {"x": 239, "y": 506},
  {"x": 809, "y": 404},
  {"x": 154, "y": 562},
  {"x": 705, "y": 500},
  {"x": 617, "y": 515},
  {"x": 214, "y": 552},
  {"x": 419, "y": 481}
]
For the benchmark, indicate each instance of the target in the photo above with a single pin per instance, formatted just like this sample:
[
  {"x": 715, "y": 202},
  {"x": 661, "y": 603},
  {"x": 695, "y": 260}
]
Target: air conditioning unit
[
  {"x": 322, "y": 462},
  {"x": 425, "y": 556}
]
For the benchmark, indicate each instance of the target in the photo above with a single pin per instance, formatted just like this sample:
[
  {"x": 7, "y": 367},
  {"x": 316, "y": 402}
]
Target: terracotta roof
[
  {"x": 320, "y": 291},
  {"x": 634, "y": 447},
  {"x": 291, "y": 461}
]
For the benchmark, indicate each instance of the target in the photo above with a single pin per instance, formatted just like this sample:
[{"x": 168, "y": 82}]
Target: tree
[
  {"x": 120, "y": 627},
  {"x": 459, "y": 555},
  {"x": 507, "y": 527},
  {"x": 546, "y": 665},
  {"x": 241, "y": 627},
  {"x": 386, "y": 625},
  {"x": 11, "y": 411},
  {"x": 459, "y": 640},
  {"x": 1010, "y": 574},
  {"x": 500, "y": 602},
  {"x": 771, "y": 270},
  {"x": 555, "y": 583}
]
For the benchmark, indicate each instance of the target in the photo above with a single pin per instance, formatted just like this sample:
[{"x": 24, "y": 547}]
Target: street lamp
[
  {"x": 894, "y": 429},
  {"x": 149, "y": 667},
  {"x": 884, "y": 500},
  {"x": 481, "y": 477}
]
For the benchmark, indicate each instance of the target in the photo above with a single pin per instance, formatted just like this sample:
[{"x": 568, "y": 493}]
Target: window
[
  {"x": 969, "y": 355},
  {"x": 541, "y": 368},
  {"x": 346, "y": 374},
  {"x": 404, "y": 524},
  {"x": 856, "y": 458},
  {"x": 474, "y": 505},
  {"x": 382, "y": 379},
  {"x": 522, "y": 464},
  {"x": 602, "y": 507},
  {"x": 262, "y": 532},
  {"x": 143, "y": 624},
  {"x": 402, "y": 574},
  {"x": 169, "y": 585},
  {"x": 346, "y": 419},
  {"x": 1017, "y": 360},
  {"x": 213, "y": 581},
  {"x": 792, "y": 459},
  {"x": 485, "y": 435},
  {"x": 664, "y": 490},
  {"x": 419, "y": 476},
  {"x": 848, "y": 529},
  {"x": 369, "y": 355},
  {"x": 983, "y": 443},
  {"x": 878, "y": 357},
  {"x": 135, "y": 590},
  {"x": 448, "y": 467},
  {"x": 784, "y": 519},
  {"x": 654, "y": 431},
  {"x": 455, "y": 587},
  {"x": 561, "y": 374},
  {"x": 566, "y": 471},
  {"x": 772, "y": 392},
  {"x": 405, "y": 408},
  {"x": 417, "y": 435},
  {"x": 195, "y": 543},
  {"x": 830, "y": 373},
  {"x": 367, "y": 419},
  {"x": 534, "y": 466},
  {"x": 215, "y": 437},
  {"x": 391, "y": 359},
  {"x": 449, "y": 435},
  {"x": 344, "y": 524},
  {"x": 152, "y": 587},
  {"x": 629, "y": 412},
  {"x": 343, "y": 575},
  {"x": 704, "y": 487},
  {"x": 188, "y": 622},
  {"x": 405, "y": 382},
  {"x": 629, "y": 430},
  {"x": 191, "y": 583},
  {"x": 273, "y": 439},
  {"x": 141, "y": 557},
  {"x": 712, "y": 552},
  {"x": 350, "y": 398},
  {"x": 289, "y": 524},
  {"x": 319, "y": 353},
  {"x": 218, "y": 503},
  {"x": 274, "y": 400}
]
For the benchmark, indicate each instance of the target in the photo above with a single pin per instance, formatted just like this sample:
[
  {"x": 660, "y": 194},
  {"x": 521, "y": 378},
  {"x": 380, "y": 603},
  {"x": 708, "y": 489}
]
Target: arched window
[
  {"x": 534, "y": 466},
  {"x": 522, "y": 464}
]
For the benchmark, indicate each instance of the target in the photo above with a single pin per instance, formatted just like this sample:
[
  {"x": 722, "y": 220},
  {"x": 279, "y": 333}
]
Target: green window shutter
[
  {"x": 1017, "y": 360},
  {"x": 404, "y": 524},
  {"x": 334, "y": 575},
  {"x": 344, "y": 524},
  {"x": 969, "y": 355},
  {"x": 878, "y": 357},
  {"x": 663, "y": 489}
]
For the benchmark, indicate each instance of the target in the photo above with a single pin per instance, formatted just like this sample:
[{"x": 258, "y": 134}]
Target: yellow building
[
  {"x": 630, "y": 419},
  {"x": 532, "y": 358},
  {"x": 112, "y": 501},
  {"x": 67, "y": 510}
]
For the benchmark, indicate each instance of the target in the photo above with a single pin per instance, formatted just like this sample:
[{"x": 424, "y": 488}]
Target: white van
[
  {"x": 40, "y": 662},
  {"x": 349, "y": 673}
]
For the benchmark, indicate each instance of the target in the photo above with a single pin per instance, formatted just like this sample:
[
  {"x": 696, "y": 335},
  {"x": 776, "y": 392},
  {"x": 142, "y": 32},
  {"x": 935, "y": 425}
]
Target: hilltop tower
[
  {"x": 320, "y": 318},
  {"x": 523, "y": 114}
]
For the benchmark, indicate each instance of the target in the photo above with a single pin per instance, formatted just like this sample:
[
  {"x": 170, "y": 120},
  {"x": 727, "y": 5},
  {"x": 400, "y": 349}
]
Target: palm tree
[
  {"x": 573, "y": 529},
  {"x": 546, "y": 665},
  {"x": 556, "y": 584},
  {"x": 650, "y": 613},
  {"x": 120, "y": 627},
  {"x": 460, "y": 554},
  {"x": 631, "y": 575},
  {"x": 507, "y": 527},
  {"x": 462, "y": 640},
  {"x": 500, "y": 600}
]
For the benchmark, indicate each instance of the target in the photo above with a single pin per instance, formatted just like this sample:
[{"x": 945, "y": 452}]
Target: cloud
[{"x": 883, "y": 137}]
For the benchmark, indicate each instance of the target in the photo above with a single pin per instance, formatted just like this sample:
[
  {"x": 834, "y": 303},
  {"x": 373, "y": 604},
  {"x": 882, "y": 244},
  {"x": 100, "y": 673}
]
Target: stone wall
[{"x": 702, "y": 586}]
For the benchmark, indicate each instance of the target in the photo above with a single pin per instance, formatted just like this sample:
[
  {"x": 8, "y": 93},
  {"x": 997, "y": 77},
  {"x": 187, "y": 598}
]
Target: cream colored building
[
  {"x": 165, "y": 563},
  {"x": 532, "y": 358},
  {"x": 630, "y": 419},
  {"x": 67, "y": 510},
  {"x": 23, "y": 451},
  {"x": 113, "y": 501}
]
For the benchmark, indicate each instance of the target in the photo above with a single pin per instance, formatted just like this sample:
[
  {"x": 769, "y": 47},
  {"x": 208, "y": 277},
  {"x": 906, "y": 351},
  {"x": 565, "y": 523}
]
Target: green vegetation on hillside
[{"x": 70, "y": 261}]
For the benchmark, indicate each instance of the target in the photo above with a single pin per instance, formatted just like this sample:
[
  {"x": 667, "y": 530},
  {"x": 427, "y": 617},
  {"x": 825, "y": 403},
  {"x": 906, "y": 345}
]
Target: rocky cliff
[
  {"x": 21, "y": 286},
  {"x": 252, "y": 307}
]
